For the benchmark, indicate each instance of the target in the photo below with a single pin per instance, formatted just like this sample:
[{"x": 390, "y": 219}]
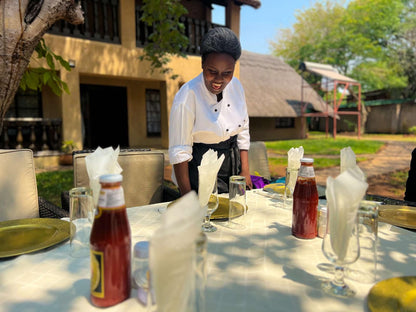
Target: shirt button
[
  {"x": 228, "y": 105},
  {"x": 239, "y": 125},
  {"x": 215, "y": 110},
  {"x": 226, "y": 130}
]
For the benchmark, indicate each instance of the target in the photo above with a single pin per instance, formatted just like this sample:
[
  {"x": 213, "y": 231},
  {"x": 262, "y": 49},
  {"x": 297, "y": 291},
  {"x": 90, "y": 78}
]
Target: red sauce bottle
[
  {"x": 305, "y": 202},
  {"x": 110, "y": 243}
]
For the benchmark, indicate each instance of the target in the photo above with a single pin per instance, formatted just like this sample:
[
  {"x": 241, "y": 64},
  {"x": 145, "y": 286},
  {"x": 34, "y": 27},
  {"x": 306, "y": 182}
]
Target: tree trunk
[{"x": 22, "y": 25}]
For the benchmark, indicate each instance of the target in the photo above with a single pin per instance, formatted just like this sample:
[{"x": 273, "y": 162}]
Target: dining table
[{"x": 261, "y": 267}]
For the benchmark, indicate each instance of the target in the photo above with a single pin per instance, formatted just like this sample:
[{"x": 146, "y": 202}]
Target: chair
[
  {"x": 258, "y": 160},
  {"x": 143, "y": 176},
  {"x": 18, "y": 189}
]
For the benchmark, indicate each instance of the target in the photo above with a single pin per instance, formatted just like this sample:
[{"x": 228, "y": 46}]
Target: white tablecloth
[{"x": 263, "y": 268}]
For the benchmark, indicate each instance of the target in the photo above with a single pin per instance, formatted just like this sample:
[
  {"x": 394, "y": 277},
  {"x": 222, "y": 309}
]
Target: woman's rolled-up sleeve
[{"x": 181, "y": 122}]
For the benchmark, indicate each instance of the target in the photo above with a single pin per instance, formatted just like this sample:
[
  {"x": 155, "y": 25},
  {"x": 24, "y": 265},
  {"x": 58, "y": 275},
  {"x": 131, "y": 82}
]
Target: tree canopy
[{"x": 365, "y": 40}]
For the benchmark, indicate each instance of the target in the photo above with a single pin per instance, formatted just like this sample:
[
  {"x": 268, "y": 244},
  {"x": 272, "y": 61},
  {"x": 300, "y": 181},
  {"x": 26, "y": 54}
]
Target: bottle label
[
  {"x": 111, "y": 198},
  {"x": 306, "y": 172},
  {"x": 97, "y": 274}
]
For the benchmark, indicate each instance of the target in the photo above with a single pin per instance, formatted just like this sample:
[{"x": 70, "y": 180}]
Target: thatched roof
[{"x": 274, "y": 89}]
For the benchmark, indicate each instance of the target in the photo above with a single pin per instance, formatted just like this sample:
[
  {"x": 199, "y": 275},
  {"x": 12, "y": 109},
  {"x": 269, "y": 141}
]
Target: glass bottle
[
  {"x": 305, "y": 202},
  {"x": 110, "y": 243}
]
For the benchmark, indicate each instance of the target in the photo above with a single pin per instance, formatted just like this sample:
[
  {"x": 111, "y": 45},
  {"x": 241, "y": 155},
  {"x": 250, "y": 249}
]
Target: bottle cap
[
  {"x": 141, "y": 249},
  {"x": 111, "y": 178},
  {"x": 306, "y": 160}
]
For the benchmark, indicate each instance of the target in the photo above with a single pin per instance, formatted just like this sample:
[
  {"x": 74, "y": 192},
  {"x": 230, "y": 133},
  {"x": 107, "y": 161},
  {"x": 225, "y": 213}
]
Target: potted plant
[{"x": 66, "y": 157}]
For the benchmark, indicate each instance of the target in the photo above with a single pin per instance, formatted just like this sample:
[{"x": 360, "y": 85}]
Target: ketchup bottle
[
  {"x": 305, "y": 202},
  {"x": 110, "y": 243}
]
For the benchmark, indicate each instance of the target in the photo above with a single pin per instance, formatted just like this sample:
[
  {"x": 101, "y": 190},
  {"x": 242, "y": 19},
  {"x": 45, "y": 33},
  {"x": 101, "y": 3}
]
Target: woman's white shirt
[{"x": 197, "y": 117}]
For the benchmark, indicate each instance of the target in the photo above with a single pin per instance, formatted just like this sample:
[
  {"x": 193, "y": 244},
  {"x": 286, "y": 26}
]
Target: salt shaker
[{"x": 141, "y": 264}]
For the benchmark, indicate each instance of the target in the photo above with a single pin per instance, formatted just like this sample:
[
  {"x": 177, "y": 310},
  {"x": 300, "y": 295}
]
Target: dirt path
[{"x": 393, "y": 156}]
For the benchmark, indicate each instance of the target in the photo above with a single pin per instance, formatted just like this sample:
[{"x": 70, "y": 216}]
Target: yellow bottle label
[{"x": 97, "y": 274}]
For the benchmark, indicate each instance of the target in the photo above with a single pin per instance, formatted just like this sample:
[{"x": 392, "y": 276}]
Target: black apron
[{"x": 230, "y": 166}]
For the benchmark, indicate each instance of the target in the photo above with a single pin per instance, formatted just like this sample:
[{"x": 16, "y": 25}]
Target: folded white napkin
[
  {"x": 293, "y": 157},
  {"x": 172, "y": 254},
  {"x": 343, "y": 195},
  {"x": 101, "y": 161},
  {"x": 348, "y": 159},
  {"x": 208, "y": 171}
]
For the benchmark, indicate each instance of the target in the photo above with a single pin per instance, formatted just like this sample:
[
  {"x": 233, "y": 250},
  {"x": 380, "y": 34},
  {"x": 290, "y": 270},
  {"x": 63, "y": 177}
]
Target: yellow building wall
[{"x": 102, "y": 63}]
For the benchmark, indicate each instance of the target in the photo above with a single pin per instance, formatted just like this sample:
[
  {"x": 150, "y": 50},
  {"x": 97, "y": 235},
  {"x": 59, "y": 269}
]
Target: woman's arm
[
  {"x": 182, "y": 177},
  {"x": 245, "y": 171}
]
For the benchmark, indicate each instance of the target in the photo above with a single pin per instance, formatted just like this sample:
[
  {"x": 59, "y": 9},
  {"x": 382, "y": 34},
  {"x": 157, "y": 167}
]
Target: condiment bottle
[
  {"x": 305, "y": 202},
  {"x": 110, "y": 243}
]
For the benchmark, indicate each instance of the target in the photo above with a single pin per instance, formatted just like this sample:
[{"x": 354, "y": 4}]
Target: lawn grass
[
  {"x": 52, "y": 183},
  {"x": 318, "y": 162},
  {"x": 326, "y": 146}
]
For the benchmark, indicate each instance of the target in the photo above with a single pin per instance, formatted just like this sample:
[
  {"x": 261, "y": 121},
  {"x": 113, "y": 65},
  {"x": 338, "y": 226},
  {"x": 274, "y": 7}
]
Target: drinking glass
[
  {"x": 237, "y": 205},
  {"x": 211, "y": 207},
  {"x": 81, "y": 210},
  {"x": 365, "y": 269},
  {"x": 290, "y": 183},
  {"x": 347, "y": 254}
]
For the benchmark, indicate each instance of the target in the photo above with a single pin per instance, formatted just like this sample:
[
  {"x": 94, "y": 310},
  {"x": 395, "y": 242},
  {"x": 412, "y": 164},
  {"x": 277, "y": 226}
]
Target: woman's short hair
[{"x": 220, "y": 40}]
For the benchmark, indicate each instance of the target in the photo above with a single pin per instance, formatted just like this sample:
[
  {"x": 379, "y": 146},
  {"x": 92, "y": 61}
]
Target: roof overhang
[
  {"x": 253, "y": 3},
  {"x": 326, "y": 71}
]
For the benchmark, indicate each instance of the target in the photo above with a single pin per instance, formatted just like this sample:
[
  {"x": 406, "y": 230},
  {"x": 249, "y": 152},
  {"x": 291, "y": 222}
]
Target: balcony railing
[
  {"x": 101, "y": 23},
  {"x": 38, "y": 134}
]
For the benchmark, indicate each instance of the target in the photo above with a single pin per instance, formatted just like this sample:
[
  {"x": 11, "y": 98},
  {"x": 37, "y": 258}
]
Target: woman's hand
[
  {"x": 249, "y": 184},
  {"x": 245, "y": 172}
]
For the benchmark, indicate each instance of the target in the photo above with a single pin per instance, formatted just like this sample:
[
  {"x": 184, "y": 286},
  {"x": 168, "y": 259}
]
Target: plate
[
  {"x": 393, "y": 294},
  {"x": 403, "y": 216},
  {"x": 222, "y": 212},
  {"x": 22, "y": 236}
]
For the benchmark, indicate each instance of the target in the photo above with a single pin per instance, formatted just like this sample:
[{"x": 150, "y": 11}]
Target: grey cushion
[
  {"x": 258, "y": 160},
  {"x": 142, "y": 175}
]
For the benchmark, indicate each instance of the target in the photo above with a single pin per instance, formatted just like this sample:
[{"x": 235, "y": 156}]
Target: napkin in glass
[
  {"x": 293, "y": 157},
  {"x": 293, "y": 164},
  {"x": 208, "y": 171},
  {"x": 348, "y": 159},
  {"x": 343, "y": 195},
  {"x": 101, "y": 161},
  {"x": 172, "y": 255}
]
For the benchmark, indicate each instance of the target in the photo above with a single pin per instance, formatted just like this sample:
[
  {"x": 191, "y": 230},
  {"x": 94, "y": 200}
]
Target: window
[
  {"x": 26, "y": 104},
  {"x": 153, "y": 118},
  {"x": 284, "y": 122}
]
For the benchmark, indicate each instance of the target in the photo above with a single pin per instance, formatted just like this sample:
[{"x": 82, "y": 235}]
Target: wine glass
[
  {"x": 340, "y": 252},
  {"x": 211, "y": 207}
]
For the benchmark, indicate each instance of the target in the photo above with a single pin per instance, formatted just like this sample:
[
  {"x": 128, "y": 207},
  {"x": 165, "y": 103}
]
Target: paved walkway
[{"x": 395, "y": 155}]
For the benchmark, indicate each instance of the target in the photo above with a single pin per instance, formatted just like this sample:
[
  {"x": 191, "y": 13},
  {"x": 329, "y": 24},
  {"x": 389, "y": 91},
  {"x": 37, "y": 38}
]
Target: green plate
[
  {"x": 222, "y": 212},
  {"x": 403, "y": 216},
  {"x": 393, "y": 294},
  {"x": 22, "y": 236}
]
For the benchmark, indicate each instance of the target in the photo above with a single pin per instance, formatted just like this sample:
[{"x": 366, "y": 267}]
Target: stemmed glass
[
  {"x": 347, "y": 253},
  {"x": 211, "y": 207}
]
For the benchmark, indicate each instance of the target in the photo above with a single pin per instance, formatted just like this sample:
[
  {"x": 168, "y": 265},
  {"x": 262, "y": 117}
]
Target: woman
[{"x": 210, "y": 112}]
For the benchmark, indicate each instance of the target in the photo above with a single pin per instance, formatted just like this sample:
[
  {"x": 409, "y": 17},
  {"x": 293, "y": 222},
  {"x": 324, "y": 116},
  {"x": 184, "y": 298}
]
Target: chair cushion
[
  {"x": 258, "y": 160},
  {"x": 142, "y": 175},
  {"x": 18, "y": 189}
]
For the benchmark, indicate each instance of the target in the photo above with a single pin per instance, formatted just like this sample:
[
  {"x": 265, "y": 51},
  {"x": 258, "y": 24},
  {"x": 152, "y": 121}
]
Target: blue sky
[{"x": 260, "y": 26}]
